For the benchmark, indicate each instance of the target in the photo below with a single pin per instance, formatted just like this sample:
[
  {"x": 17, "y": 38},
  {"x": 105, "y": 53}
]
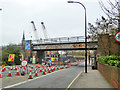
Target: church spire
[{"x": 23, "y": 36}]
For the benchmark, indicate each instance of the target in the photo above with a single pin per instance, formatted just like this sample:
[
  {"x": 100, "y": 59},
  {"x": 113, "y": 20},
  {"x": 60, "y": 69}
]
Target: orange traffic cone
[
  {"x": 36, "y": 73},
  {"x": 0, "y": 73},
  {"x": 43, "y": 72},
  {"x": 30, "y": 75},
  {"x": 17, "y": 73},
  {"x": 9, "y": 74}
]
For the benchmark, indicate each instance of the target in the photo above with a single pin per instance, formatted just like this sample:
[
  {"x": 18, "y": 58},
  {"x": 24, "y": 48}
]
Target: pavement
[{"x": 91, "y": 79}]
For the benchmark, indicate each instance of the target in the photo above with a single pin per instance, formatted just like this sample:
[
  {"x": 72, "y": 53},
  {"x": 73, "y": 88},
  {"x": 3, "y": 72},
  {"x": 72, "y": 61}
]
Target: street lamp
[{"x": 85, "y": 34}]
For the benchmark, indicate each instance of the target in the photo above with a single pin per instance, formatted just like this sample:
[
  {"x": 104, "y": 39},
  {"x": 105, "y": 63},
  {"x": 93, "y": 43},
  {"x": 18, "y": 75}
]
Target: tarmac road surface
[{"x": 58, "y": 79}]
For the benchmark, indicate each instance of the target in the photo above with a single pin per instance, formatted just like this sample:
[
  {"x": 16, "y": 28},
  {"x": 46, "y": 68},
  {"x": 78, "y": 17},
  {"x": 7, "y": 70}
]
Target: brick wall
[
  {"x": 107, "y": 45},
  {"x": 111, "y": 73}
]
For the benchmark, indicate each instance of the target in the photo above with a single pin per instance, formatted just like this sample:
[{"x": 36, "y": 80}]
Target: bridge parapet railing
[{"x": 59, "y": 40}]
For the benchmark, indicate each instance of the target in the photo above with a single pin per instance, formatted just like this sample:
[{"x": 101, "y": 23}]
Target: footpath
[{"x": 93, "y": 79}]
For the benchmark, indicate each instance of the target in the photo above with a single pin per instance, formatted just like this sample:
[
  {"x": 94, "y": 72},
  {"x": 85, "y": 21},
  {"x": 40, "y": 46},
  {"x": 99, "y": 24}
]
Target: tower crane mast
[
  {"x": 35, "y": 30},
  {"x": 44, "y": 30}
]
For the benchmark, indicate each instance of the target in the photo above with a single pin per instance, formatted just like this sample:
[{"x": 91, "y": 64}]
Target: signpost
[{"x": 117, "y": 36}]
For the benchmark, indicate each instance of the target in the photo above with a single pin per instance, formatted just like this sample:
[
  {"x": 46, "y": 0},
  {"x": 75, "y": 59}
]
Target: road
[{"x": 58, "y": 79}]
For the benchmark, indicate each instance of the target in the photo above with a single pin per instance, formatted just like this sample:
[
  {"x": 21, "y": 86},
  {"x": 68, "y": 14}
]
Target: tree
[
  {"x": 112, "y": 10},
  {"x": 11, "y": 49},
  {"x": 101, "y": 26}
]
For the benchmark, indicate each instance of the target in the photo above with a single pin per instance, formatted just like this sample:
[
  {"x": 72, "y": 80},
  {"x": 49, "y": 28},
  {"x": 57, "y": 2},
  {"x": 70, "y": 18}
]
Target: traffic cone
[
  {"x": 60, "y": 67},
  {"x": 9, "y": 74},
  {"x": 40, "y": 70},
  {"x": 30, "y": 71},
  {"x": 54, "y": 68},
  {"x": 68, "y": 66},
  {"x": 35, "y": 70},
  {"x": 24, "y": 70},
  {"x": 3, "y": 69},
  {"x": 17, "y": 73},
  {"x": 16, "y": 68},
  {"x": 36, "y": 73},
  {"x": 38, "y": 66},
  {"x": 51, "y": 69},
  {"x": 44, "y": 69},
  {"x": 20, "y": 66},
  {"x": 57, "y": 68},
  {"x": 48, "y": 70},
  {"x": 30, "y": 75},
  {"x": 31, "y": 67},
  {"x": 0, "y": 74},
  {"x": 43, "y": 72}
]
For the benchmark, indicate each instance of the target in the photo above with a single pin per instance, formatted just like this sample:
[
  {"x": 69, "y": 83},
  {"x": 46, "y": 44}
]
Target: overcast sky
[{"x": 61, "y": 19}]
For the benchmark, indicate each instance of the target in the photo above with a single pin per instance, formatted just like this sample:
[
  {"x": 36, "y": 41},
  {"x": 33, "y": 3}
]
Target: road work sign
[
  {"x": 117, "y": 36},
  {"x": 11, "y": 57}
]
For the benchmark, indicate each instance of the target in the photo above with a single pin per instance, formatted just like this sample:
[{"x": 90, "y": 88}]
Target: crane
[
  {"x": 35, "y": 30},
  {"x": 46, "y": 37},
  {"x": 44, "y": 30}
]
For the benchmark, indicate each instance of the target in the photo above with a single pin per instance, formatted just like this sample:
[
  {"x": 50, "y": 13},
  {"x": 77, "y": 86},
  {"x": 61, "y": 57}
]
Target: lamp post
[{"x": 85, "y": 34}]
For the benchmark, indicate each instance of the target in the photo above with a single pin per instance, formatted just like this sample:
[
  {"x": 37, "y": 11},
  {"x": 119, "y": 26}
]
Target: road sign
[
  {"x": 52, "y": 59},
  {"x": 49, "y": 61},
  {"x": 27, "y": 45},
  {"x": 117, "y": 36},
  {"x": 24, "y": 63},
  {"x": 11, "y": 57}
]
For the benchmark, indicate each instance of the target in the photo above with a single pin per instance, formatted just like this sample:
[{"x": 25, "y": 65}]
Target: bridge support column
[{"x": 40, "y": 56}]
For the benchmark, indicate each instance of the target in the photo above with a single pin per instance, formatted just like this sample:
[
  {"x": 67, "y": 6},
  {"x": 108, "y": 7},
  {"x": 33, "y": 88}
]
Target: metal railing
[{"x": 60, "y": 40}]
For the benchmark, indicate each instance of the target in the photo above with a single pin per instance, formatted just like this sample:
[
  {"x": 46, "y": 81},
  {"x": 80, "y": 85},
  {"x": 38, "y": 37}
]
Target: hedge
[{"x": 110, "y": 60}]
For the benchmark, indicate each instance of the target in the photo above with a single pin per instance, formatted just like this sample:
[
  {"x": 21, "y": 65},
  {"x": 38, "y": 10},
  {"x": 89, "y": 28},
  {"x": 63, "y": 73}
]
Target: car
[
  {"x": 74, "y": 64},
  {"x": 81, "y": 64}
]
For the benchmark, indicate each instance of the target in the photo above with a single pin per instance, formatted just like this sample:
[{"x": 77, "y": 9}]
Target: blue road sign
[
  {"x": 27, "y": 45},
  {"x": 49, "y": 61}
]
